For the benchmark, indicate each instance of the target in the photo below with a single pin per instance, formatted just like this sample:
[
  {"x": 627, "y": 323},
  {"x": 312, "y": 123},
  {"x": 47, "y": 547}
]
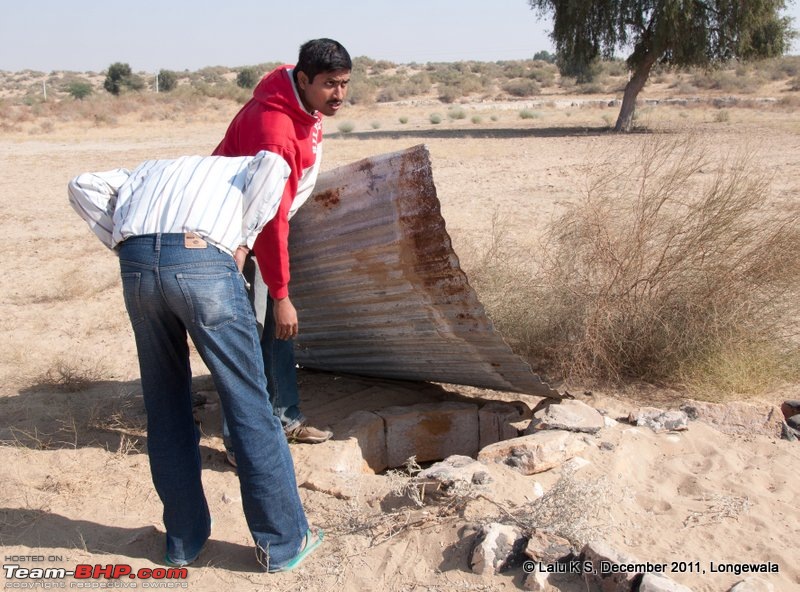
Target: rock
[
  {"x": 656, "y": 583},
  {"x": 430, "y": 431},
  {"x": 369, "y": 431},
  {"x": 790, "y": 408},
  {"x": 497, "y": 547},
  {"x": 546, "y": 547},
  {"x": 753, "y": 584},
  {"x": 497, "y": 421},
  {"x": 454, "y": 474},
  {"x": 738, "y": 418},
  {"x": 794, "y": 421},
  {"x": 598, "y": 551},
  {"x": 535, "y": 453},
  {"x": 229, "y": 499},
  {"x": 570, "y": 415},
  {"x": 576, "y": 463},
  {"x": 789, "y": 433},
  {"x": 659, "y": 420}
]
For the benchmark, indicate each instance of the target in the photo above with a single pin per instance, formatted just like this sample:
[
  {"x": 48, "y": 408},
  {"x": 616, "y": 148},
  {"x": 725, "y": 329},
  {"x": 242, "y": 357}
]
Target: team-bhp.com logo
[{"x": 119, "y": 575}]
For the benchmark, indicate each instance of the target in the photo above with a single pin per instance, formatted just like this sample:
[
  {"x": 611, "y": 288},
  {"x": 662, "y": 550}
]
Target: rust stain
[
  {"x": 329, "y": 198},
  {"x": 436, "y": 425}
]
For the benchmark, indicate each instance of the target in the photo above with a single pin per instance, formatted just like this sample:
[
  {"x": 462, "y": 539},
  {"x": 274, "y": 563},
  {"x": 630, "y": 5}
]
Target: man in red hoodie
[{"x": 285, "y": 117}]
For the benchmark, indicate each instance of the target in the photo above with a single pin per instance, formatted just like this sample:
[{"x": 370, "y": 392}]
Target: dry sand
[{"x": 75, "y": 480}]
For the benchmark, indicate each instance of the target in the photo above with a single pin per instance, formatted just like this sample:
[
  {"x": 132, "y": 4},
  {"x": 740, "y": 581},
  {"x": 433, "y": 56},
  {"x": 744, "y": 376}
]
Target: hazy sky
[{"x": 89, "y": 35}]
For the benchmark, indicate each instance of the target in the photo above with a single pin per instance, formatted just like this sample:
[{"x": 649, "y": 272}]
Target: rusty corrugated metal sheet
[{"x": 379, "y": 288}]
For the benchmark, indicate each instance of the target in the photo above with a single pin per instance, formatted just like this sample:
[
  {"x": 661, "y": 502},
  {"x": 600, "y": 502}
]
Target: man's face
[{"x": 326, "y": 93}]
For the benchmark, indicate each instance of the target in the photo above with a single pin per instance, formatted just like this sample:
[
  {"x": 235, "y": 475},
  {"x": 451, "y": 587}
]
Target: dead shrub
[
  {"x": 71, "y": 376},
  {"x": 669, "y": 269},
  {"x": 576, "y": 509}
]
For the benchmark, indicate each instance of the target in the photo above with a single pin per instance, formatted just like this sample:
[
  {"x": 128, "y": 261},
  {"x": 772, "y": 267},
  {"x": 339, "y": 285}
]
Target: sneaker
[{"x": 306, "y": 434}]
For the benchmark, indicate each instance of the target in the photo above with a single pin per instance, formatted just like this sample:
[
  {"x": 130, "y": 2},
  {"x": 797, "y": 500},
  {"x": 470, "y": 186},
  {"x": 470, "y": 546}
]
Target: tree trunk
[{"x": 632, "y": 89}]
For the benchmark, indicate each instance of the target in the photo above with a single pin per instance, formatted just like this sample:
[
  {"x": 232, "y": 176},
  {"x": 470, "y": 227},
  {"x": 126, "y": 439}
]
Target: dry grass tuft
[
  {"x": 72, "y": 377},
  {"x": 572, "y": 508},
  {"x": 671, "y": 269}
]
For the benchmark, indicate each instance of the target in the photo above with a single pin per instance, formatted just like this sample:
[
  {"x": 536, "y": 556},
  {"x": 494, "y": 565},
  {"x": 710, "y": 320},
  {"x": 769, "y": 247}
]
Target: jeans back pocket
[{"x": 210, "y": 297}]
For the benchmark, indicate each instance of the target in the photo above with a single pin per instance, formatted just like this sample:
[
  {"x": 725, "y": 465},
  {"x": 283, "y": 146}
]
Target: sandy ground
[{"x": 75, "y": 485}]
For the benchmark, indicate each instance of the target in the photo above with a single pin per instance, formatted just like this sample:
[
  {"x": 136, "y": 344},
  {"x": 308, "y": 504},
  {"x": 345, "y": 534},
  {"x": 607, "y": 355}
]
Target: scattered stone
[
  {"x": 790, "y": 408},
  {"x": 738, "y": 418},
  {"x": 598, "y": 551},
  {"x": 346, "y": 486},
  {"x": 789, "y": 433},
  {"x": 656, "y": 583},
  {"x": 659, "y": 420},
  {"x": 609, "y": 422},
  {"x": 604, "y": 445},
  {"x": 546, "y": 549},
  {"x": 453, "y": 475},
  {"x": 576, "y": 463},
  {"x": 794, "y": 421},
  {"x": 228, "y": 499},
  {"x": 753, "y": 584},
  {"x": 498, "y": 421},
  {"x": 535, "y": 453},
  {"x": 570, "y": 415},
  {"x": 497, "y": 547},
  {"x": 430, "y": 431}
]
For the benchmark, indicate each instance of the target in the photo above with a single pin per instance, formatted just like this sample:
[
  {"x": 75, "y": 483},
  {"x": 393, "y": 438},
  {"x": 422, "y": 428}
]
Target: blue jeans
[
  {"x": 170, "y": 290},
  {"x": 278, "y": 357}
]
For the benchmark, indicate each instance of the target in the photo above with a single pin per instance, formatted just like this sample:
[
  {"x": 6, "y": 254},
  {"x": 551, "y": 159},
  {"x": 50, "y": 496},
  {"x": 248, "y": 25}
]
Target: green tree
[
  {"x": 167, "y": 80},
  {"x": 247, "y": 78},
  {"x": 118, "y": 74},
  {"x": 671, "y": 32},
  {"x": 79, "y": 90}
]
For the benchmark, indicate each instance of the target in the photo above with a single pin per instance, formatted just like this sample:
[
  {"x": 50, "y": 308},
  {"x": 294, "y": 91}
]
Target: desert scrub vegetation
[
  {"x": 346, "y": 127},
  {"x": 72, "y": 376},
  {"x": 674, "y": 269},
  {"x": 371, "y": 82}
]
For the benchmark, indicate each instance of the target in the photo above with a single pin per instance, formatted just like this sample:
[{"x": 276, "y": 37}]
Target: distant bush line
[{"x": 381, "y": 81}]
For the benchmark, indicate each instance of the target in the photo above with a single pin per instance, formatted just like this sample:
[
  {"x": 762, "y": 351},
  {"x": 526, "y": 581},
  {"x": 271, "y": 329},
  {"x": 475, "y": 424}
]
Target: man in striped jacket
[{"x": 182, "y": 229}]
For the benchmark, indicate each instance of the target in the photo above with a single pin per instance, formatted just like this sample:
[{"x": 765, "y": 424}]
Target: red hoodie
[{"x": 275, "y": 120}]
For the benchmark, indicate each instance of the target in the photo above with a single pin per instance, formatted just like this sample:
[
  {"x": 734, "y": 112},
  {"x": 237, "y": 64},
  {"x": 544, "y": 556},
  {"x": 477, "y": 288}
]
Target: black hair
[{"x": 321, "y": 55}]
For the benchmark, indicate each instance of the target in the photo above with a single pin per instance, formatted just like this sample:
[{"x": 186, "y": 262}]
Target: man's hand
[
  {"x": 285, "y": 319},
  {"x": 239, "y": 256}
]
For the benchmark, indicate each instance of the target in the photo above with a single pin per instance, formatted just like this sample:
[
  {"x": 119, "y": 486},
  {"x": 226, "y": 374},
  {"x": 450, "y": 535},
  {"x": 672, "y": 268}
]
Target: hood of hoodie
[{"x": 278, "y": 92}]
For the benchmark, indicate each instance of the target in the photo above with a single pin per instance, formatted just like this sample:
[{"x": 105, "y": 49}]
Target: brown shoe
[
  {"x": 306, "y": 434},
  {"x": 231, "y": 458}
]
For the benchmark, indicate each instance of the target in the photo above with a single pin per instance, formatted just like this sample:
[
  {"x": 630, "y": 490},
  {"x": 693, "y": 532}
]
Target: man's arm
[
  {"x": 93, "y": 196},
  {"x": 272, "y": 252}
]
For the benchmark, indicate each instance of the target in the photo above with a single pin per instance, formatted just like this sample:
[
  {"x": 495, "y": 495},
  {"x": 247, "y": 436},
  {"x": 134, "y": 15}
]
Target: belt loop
[{"x": 158, "y": 242}]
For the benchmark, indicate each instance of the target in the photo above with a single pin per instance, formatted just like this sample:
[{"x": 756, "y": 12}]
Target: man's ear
[{"x": 302, "y": 79}]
